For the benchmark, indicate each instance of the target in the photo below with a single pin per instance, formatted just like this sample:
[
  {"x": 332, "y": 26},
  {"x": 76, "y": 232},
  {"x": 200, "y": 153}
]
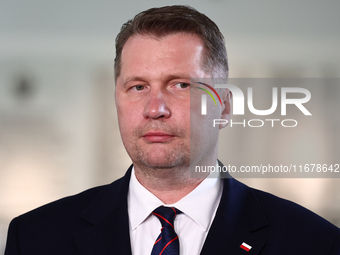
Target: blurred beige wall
[{"x": 58, "y": 129}]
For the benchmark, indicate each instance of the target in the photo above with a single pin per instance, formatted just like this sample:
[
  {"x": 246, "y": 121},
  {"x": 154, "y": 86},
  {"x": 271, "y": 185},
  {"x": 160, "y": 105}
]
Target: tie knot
[{"x": 166, "y": 215}]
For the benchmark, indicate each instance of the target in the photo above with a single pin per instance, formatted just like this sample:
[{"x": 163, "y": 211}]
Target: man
[{"x": 157, "y": 53}]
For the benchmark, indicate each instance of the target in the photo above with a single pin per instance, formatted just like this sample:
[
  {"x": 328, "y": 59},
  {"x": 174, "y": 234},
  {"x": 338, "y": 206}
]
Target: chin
[{"x": 164, "y": 162}]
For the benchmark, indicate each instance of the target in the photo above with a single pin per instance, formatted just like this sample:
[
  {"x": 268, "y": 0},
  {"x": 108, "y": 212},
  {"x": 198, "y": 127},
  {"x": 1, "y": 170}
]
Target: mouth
[{"x": 157, "y": 137}]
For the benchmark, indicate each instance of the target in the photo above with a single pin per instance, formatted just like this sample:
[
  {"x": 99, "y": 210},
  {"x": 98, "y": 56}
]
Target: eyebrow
[
  {"x": 168, "y": 78},
  {"x": 132, "y": 78}
]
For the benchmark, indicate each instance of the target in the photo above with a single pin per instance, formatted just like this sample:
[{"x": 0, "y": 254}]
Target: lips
[{"x": 157, "y": 137}]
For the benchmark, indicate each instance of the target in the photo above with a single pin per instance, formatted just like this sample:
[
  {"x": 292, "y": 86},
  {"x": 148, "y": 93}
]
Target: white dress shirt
[{"x": 192, "y": 226}]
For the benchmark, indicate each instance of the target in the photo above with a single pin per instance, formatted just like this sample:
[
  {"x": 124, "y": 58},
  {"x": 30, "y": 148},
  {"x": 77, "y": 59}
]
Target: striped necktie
[{"x": 167, "y": 242}]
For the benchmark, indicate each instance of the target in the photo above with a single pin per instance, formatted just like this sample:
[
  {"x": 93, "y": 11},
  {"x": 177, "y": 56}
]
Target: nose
[{"x": 156, "y": 106}]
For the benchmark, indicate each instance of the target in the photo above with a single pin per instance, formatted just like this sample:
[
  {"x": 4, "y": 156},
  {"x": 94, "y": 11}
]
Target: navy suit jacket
[{"x": 95, "y": 222}]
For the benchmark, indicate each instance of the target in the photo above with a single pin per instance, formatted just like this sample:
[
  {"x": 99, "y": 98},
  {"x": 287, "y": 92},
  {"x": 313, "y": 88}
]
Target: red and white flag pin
[{"x": 245, "y": 246}]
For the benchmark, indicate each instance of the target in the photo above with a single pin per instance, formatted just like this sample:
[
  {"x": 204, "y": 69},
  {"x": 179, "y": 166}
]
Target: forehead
[
  {"x": 145, "y": 53},
  {"x": 181, "y": 40}
]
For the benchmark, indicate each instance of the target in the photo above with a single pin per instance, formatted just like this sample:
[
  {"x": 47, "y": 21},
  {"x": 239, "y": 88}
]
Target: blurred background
[{"x": 58, "y": 129}]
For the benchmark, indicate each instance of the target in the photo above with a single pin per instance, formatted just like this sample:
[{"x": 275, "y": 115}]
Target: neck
[{"x": 169, "y": 184}]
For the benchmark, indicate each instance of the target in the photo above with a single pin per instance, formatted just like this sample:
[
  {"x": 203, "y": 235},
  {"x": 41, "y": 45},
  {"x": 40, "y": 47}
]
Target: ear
[{"x": 226, "y": 106}]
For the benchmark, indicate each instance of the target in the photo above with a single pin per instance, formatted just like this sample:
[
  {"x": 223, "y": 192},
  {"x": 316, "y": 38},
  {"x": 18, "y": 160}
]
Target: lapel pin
[{"x": 245, "y": 246}]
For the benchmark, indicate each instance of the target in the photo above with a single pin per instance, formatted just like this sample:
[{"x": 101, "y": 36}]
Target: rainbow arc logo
[{"x": 204, "y": 97}]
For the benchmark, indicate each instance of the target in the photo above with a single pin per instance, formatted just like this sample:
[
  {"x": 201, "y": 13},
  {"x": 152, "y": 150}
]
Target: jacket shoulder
[
  {"x": 283, "y": 209},
  {"x": 51, "y": 227},
  {"x": 64, "y": 211},
  {"x": 295, "y": 225}
]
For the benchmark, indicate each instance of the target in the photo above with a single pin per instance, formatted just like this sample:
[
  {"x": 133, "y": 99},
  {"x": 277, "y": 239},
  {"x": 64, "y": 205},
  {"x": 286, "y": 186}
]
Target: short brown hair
[{"x": 168, "y": 20}]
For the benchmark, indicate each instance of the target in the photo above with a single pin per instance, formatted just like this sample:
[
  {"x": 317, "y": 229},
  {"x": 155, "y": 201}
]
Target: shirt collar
[
  {"x": 200, "y": 204},
  {"x": 141, "y": 202}
]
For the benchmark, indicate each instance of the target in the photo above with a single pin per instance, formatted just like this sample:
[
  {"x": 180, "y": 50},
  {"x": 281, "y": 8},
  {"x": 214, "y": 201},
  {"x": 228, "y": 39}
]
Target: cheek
[
  {"x": 127, "y": 108},
  {"x": 125, "y": 117},
  {"x": 180, "y": 110},
  {"x": 202, "y": 126}
]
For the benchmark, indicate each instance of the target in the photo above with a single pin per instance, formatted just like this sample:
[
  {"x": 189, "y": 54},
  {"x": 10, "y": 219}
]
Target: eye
[
  {"x": 139, "y": 87},
  {"x": 182, "y": 85}
]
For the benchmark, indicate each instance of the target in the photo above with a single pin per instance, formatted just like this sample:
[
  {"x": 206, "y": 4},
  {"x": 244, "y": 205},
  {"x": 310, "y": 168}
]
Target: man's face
[{"x": 153, "y": 98}]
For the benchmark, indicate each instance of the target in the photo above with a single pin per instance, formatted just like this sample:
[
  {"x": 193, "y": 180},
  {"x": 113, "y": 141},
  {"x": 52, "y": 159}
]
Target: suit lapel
[
  {"x": 237, "y": 218},
  {"x": 109, "y": 222}
]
